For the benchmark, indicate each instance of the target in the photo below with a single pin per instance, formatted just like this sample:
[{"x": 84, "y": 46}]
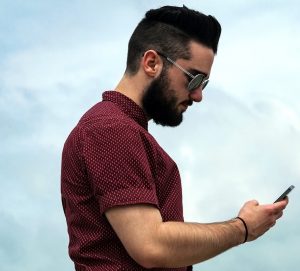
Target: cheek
[{"x": 177, "y": 80}]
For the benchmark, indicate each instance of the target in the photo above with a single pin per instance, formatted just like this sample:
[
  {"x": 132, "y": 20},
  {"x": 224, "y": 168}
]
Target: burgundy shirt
[{"x": 110, "y": 159}]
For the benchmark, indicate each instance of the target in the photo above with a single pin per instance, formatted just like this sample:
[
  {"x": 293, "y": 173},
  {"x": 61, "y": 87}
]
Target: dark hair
[{"x": 169, "y": 30}]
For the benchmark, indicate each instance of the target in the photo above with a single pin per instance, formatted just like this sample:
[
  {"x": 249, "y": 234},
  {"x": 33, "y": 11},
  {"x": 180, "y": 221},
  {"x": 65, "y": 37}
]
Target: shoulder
[{"x": 106, "y": 116}]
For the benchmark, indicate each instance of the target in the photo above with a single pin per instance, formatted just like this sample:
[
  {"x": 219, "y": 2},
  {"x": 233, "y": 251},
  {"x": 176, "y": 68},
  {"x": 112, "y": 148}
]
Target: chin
[{"x": 170, "y": 122}]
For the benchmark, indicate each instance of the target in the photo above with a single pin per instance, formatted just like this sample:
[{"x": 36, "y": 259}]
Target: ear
[{"x": 152, "y": 63}]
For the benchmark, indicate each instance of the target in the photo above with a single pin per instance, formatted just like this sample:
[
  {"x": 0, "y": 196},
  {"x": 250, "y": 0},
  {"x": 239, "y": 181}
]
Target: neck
[{"x": 132, "y": 87}]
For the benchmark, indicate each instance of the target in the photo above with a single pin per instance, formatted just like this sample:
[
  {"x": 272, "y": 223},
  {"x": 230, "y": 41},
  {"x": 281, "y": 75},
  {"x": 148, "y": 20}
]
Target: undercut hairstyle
[{"x": 169, "y": 30}]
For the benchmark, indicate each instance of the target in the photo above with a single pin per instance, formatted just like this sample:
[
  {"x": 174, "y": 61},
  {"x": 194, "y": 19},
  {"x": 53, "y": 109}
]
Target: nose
[{"x": 196, "y": 95}]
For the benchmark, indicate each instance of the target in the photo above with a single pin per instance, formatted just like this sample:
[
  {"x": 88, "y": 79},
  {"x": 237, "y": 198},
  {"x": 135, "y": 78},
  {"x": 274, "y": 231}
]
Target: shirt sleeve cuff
[{"x": 127, "y": 197}]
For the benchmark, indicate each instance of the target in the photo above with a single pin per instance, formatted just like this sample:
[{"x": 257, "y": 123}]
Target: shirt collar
[{"x": 128, "y": 106}]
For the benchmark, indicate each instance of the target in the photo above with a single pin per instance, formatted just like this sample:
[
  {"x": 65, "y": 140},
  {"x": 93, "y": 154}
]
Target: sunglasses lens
[{"x": 196, "y": 82}]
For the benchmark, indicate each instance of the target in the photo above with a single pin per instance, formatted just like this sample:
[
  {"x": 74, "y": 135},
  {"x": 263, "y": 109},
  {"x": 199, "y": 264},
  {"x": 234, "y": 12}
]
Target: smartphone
[{"x": 285, "y": 193}]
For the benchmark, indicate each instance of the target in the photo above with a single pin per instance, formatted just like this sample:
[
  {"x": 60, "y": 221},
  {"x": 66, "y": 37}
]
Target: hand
[{"x": 260, "y": 218}]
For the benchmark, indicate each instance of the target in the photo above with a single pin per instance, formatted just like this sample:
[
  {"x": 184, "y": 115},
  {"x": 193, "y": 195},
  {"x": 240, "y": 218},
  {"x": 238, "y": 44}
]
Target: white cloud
[{"x": 241, "y": 142}]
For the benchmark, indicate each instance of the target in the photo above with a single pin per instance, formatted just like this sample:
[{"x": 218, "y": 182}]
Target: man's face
[{"x": 160, "y": 102}]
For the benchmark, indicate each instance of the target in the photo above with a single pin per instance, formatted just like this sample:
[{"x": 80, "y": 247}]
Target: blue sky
[{"x": 240, "y": 143}]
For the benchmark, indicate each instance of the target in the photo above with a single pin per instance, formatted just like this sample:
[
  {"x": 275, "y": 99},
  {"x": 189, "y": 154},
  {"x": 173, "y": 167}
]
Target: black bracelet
[{"x": 246, "y": 228}]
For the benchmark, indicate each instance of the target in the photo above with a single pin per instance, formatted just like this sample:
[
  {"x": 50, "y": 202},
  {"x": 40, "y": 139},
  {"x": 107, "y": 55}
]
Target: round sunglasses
[{"x": 196, "y": 81}]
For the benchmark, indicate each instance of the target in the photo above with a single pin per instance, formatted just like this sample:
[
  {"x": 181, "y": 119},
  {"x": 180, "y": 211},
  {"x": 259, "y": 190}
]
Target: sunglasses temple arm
[{"x": 179, "y": 67}]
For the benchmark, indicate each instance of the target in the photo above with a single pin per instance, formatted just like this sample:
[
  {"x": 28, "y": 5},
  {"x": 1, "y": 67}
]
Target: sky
[{"x": 240, "y": 143}]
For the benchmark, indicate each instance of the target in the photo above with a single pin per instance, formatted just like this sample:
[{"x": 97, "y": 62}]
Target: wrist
[{"x": 243, "y": 227}]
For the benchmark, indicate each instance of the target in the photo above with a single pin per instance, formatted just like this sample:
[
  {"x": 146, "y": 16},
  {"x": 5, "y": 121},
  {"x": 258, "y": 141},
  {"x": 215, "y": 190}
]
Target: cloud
[{"x": 240, "y": 143}]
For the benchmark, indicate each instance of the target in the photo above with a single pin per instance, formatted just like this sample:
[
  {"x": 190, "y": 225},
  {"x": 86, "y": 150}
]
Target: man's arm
[{"x": 153, "y": 243}]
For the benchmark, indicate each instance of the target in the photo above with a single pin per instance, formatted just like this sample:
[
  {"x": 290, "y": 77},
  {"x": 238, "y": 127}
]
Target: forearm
[
  {"x": 154, "y": 243},
  {"x": 181, "y": 244}
]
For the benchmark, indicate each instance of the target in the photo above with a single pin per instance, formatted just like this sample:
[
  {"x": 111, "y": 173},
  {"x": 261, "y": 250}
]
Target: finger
[
  {"x": 253, "y": 202},
  {"x": 278, "y": 215},
  {"x": 281, "y": 204}
]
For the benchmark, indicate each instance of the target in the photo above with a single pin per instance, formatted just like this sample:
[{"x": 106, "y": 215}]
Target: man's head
[{"x": 170, "y": 36}]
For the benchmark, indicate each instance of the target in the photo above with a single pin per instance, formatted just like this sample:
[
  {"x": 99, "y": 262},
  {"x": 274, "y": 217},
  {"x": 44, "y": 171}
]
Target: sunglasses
[{"x": 196, "y": 81}]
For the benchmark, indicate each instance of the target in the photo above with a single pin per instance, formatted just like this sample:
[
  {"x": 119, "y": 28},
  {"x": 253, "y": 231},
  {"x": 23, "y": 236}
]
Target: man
[{"x": 121, "y": 192}]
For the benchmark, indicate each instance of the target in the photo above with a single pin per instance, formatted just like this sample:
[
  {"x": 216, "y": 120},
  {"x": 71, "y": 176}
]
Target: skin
[{"x": 154, "y": 243}]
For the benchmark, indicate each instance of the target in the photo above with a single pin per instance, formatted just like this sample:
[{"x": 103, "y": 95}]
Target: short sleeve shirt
[{"x": 110, "y": 159}]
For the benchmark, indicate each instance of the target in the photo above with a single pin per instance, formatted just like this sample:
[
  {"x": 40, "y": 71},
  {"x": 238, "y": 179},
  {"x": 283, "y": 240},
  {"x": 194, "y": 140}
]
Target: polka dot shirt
[{"x": 109, "y": 159}]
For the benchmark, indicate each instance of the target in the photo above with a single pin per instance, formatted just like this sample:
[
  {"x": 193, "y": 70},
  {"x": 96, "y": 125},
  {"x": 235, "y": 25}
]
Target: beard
[{"x": 160, "y": 103}]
